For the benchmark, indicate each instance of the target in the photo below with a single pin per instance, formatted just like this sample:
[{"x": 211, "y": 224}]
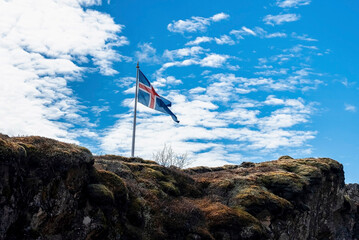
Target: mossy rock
[
  {"x": 10, "y": 151},
  {"x": 100, "y": 195},
  {"x": 125, "y": 159},
  {"x": 324, "y": 164},
  {"x": 247, "y": 165},
  {"x": 199, "y": 169},
  {"x": 135, "y": 211},
  {"x": 285, "y": 157},
  {"x": 52, "y": 157},
  {"x": 225, "y": 185},
  {"x": 300, "y": 168},
  {"x": 256, "y": 199},
  {"x": 153, "y": 174},
  {"x": 116, "y": 185},
  {"x": 169, "y": 187},
  {"x": 234, "y": 221},
  {"x": 182, "y": 215},
  {"x": 281, "y": 183}
]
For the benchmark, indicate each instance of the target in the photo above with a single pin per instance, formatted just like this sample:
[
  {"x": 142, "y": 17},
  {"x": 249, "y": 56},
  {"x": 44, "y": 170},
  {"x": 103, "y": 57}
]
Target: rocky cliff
[{"x": 54, "y": 190}]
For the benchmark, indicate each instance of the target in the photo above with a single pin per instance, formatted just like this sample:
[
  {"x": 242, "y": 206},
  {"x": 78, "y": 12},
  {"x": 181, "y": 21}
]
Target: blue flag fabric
[{"x": 148, "y": 97}]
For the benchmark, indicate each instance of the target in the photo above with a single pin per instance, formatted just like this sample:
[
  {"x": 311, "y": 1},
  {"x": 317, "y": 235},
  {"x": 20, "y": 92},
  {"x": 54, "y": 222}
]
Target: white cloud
[
  {"x": 224, "y": 39},
  {"x": 195, "y": 24},
  {"x": 214, "y": 60},
  {"x": 264, "y": 34},
  {"x": 292, "y": 3},
  {"x": 167, "y": 81},
  {"x": 244, "y": 31},
  {"x": 210, "y": 60},
  {"x": 281, "y": 18},
  {"x": 248, "y": 31},
  {"x": 125, "y": 82},
  {"x": 276, "y": 34},
  {"x": 244, "y": 85},
  {"x": 303, "y": 37},
  {"x": 212, "y": 127},
  {"x": 257, "y": 31},
  {"x": 219, "y": 16},
  {"x": 183, "y": 52},
  {"x": 346, "y": 82},
  {"x": 146, "y": 54},
  {"x": 268, "y": 72},
  {"x": 197, "y": 90},
  {"x": 42, "y": 46},
  {"x": 199, "y": 40},
  {"x": 350, "y": 108},
  {"x": 97, "y": 110},
  {"x": 296, "y": 51}
]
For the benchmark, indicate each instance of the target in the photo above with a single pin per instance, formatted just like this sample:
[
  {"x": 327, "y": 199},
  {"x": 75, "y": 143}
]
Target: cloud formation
[
  {"x": 292, "y": 3},
  {"x": 204, "y": 127},
  {"x": 195, "y": 24},
  {"x": 281, "y": 18},
  {"x": 222, "y": 40},
  {"x": 44, "y": 45},
  {"x": 257, "y": 31},
  {"x": 146, "y": 53},
  {"x": 350, "y": 108}
]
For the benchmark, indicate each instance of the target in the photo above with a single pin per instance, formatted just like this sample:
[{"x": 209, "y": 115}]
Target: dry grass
[{"x": 9, "y": 151}]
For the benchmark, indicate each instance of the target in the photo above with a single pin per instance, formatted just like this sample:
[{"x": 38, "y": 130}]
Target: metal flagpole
[{"x": 134, "y": 116}]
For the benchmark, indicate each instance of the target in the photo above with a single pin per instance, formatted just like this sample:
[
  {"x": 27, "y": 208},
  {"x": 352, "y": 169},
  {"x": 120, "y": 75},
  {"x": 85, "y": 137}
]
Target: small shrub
[{"x": 167, "y": 157}]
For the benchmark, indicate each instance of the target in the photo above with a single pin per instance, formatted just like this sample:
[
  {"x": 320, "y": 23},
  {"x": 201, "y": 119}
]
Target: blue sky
[{"x": 249, "y": 80}]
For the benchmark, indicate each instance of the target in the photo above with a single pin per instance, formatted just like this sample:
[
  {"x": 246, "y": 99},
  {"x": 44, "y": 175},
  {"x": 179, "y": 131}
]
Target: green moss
[
  {"x": 280, "y": 180},
  {"x": 222, "y": 216},
  {"x": 152, "y": 173},
  {"x": 116, "y": 185},
  {"x": 125, "y": 159},
  {"x": 225, "y": 185},
  {"x": 83, "y": 149},
  {"x": 255, "y": 199},
  {"x": 285, "y": 157},
  {"x": 111, "y": 180},
  {"x": 134, "y": 213},
  {"x": 169, "y": 187},
  {"x": 246, "y": 217},
  {"x": 300, "y": 168},
  {"x": 100, "y": 195},
  {"x": 324, "y": 164}
]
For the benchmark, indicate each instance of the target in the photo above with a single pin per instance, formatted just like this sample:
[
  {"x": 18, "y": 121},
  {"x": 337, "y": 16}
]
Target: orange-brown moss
[{"x": 10, "y": 150}]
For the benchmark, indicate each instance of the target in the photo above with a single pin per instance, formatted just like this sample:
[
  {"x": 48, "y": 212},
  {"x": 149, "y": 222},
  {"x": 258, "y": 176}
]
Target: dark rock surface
[{"x": 54, "y": 190}]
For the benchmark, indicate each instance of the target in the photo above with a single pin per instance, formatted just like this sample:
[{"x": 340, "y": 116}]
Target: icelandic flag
[{"x": 148, "y": 97}]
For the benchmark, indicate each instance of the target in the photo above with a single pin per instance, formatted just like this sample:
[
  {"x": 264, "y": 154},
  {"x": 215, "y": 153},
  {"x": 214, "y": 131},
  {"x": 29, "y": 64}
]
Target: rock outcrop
[{"x": 54, "y": 190}]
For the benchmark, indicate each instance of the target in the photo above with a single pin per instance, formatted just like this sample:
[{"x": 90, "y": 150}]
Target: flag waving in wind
[{"x": 148, "y": 97}]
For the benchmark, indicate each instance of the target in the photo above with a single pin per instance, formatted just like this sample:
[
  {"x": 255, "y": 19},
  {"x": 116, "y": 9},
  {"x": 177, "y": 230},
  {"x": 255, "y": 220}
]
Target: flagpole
[{"x": 135, "y": 113}]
